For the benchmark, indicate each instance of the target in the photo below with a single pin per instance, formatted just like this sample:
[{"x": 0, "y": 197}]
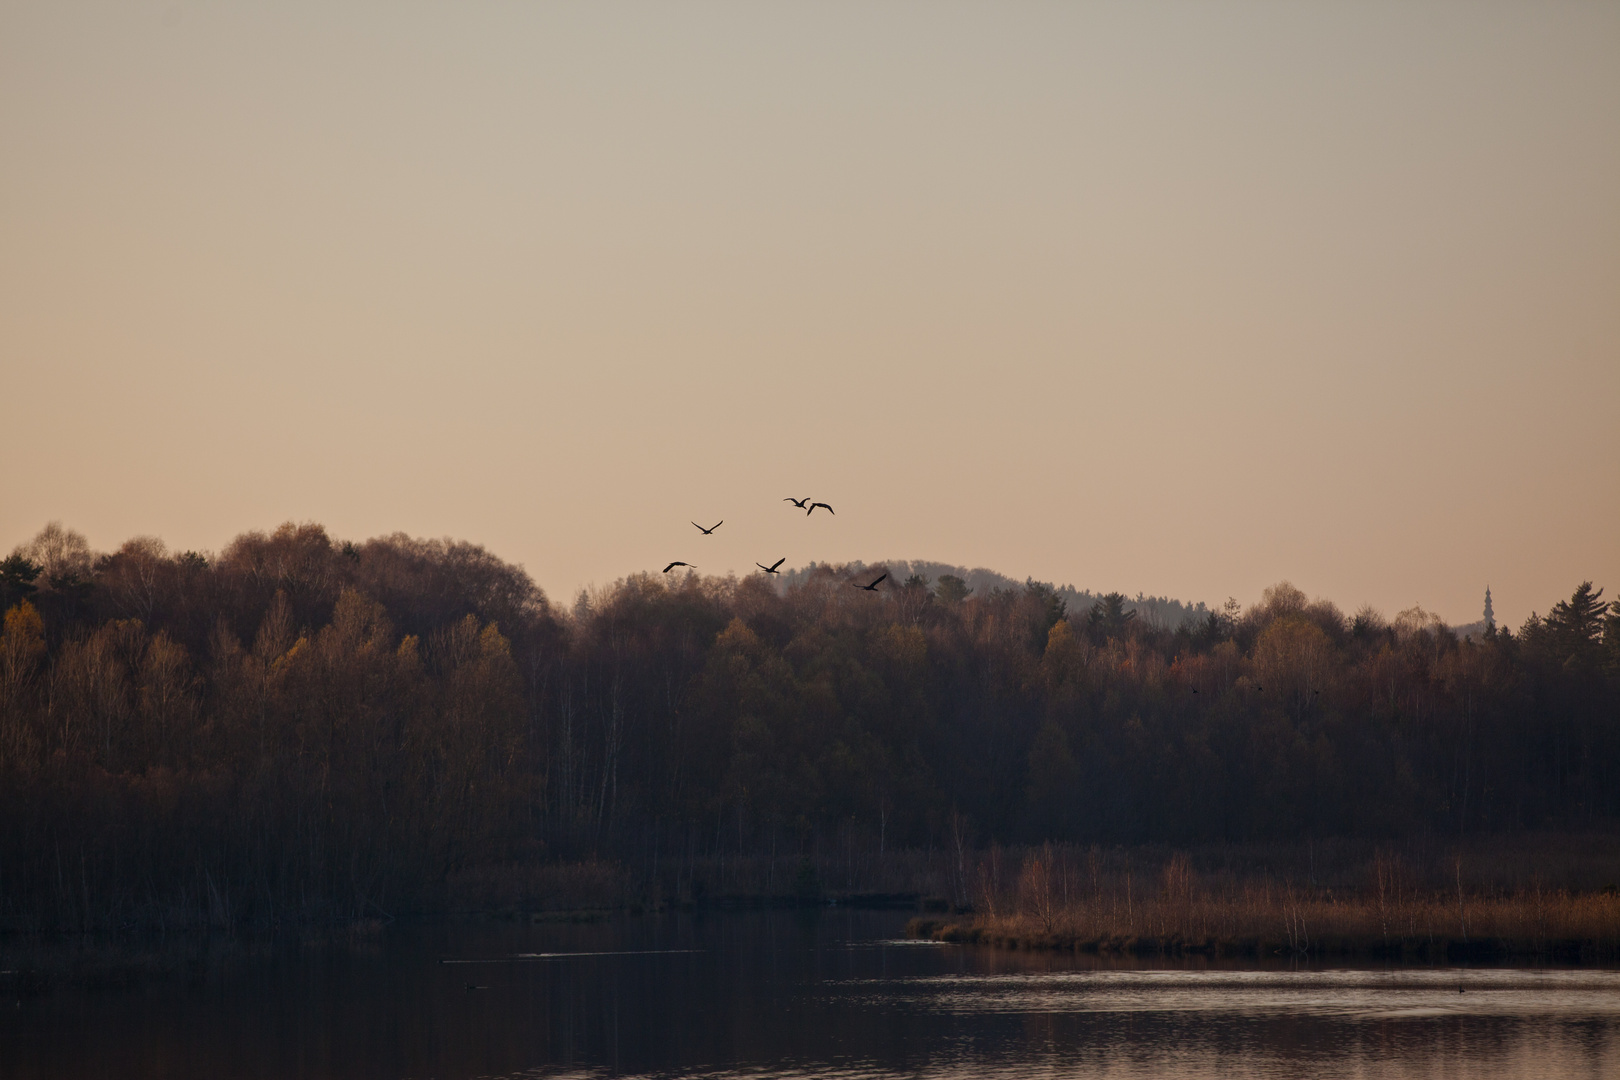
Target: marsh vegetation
[{"x": 1412, "y": 901}]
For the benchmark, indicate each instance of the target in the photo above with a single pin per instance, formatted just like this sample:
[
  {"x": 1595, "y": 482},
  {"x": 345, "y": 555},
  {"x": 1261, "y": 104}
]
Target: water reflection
[
  {"x": 1384, "y": 994},
  {"x": 805, "y": 994}
]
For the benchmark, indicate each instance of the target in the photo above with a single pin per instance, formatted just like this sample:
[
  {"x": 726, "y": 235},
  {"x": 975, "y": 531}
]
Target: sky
[{"x": 1180, "y": 298}]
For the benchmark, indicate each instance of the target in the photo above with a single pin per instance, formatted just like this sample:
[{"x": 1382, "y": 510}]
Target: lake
[{"x": 819, "y": 992}]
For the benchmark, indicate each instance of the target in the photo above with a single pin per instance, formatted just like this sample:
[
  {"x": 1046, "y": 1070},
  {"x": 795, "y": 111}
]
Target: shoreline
[
  {"x": 36, "y": 964},
  {"x": 1579, "y": 952}
]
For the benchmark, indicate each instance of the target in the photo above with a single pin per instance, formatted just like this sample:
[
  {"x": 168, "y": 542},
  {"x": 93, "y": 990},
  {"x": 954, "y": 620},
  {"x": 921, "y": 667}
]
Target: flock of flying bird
[{"x": 803, "y": 504}]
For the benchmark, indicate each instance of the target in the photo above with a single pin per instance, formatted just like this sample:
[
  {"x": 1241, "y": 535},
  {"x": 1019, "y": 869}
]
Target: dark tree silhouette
[{"x": 295, "y": 727}]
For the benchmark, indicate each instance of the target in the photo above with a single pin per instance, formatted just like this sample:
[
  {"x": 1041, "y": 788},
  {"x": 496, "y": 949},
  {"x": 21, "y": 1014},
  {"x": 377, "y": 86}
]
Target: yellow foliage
[
  {"x": 1296, "y": 656},
  {"x": 1065, "y": 656},
  {"x": 492, "y": 644},
  {"x": 736, "y": 635},
  {"x": 24, "y": 632},
  {"x": 21, "y": 645},
  {"x": 903, "y": 646}
]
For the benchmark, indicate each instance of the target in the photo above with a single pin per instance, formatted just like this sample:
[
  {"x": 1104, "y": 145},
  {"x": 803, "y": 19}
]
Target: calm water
[{"x": 830, "y": 993}]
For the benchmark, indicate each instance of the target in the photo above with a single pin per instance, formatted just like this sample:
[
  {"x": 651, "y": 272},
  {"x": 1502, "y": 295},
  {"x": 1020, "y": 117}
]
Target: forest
[{"x": 298, "y": 727}]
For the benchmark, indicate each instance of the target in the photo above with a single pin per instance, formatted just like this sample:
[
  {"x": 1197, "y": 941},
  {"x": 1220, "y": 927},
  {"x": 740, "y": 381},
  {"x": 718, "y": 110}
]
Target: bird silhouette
[
  {"x": 813, "y": 506},
  {"x": 797, "y": 502},
  {"x": 872, "y": 587},
  {"x": 772, "y": 569},
  {"x": 673, "y": 565},
  {"x": 710, "y": 529}
]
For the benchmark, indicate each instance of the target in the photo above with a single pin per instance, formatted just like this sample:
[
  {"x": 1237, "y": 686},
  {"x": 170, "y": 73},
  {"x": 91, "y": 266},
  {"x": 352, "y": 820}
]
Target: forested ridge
[{"x": 297, "y": 727}]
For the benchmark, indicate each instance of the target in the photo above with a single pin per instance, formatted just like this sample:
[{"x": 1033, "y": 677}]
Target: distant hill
[{"x": 1156, "y": 610}]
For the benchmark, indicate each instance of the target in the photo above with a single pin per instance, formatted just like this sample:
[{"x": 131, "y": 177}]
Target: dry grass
[{"x": 1087, "y": 901}]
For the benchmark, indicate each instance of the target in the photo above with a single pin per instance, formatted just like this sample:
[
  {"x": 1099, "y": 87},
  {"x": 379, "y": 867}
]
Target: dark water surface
[{"x": 813, "y": 993}]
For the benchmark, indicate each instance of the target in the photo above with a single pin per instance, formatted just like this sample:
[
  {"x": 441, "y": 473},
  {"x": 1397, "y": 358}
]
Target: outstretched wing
[
  {"x": 813, "y": 506},
  {"x": 875, "y": 583},
  {"x": 673, "y": 565},
  {"x": 778, "y": 562}
]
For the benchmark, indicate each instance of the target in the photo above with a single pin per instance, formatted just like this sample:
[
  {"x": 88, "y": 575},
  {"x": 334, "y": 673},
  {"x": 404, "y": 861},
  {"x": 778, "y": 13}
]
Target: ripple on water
[{"x": 1352, "y": 993}]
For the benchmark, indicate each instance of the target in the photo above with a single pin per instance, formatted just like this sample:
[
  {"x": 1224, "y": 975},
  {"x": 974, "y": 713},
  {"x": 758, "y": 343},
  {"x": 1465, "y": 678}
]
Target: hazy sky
[{"x": 1183, "y": 298}]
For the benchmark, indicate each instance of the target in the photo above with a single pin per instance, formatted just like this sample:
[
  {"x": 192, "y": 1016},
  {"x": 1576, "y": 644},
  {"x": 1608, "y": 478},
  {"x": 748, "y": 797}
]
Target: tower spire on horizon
[{"x": 1490, "y": 616}]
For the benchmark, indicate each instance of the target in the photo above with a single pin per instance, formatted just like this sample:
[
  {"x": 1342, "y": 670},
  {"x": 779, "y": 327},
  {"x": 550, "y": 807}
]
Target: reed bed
[{"x": 1397, "y": 910}]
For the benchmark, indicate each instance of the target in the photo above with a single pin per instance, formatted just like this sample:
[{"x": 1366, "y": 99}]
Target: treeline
[
  {"x": 1161, "y": 611},
  {"x": 298, "y": 727}
]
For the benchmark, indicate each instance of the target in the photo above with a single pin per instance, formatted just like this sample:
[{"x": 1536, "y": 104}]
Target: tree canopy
[{"x": 327, "y": 724}]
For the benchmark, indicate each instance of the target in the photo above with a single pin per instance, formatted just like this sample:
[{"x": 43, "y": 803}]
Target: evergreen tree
[
  {"x": 1575, "y": 626},
  {"x": 17, "y": 576}
]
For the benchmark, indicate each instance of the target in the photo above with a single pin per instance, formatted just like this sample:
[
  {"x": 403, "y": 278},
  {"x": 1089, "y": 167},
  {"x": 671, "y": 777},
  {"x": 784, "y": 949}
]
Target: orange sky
[{"x": 1181, "y": 298}]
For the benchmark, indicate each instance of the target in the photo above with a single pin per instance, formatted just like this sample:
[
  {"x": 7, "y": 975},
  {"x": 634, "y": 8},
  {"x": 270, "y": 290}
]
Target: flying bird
[
  {"x": 872, "y": 587},
  {"x": 797, "y": 502},
  {"x": 813, "y": 506},
  {"x": 673, "y": 565},
  {"x": 710, "y": 529},
  {"x": 772, "y": 569}
]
